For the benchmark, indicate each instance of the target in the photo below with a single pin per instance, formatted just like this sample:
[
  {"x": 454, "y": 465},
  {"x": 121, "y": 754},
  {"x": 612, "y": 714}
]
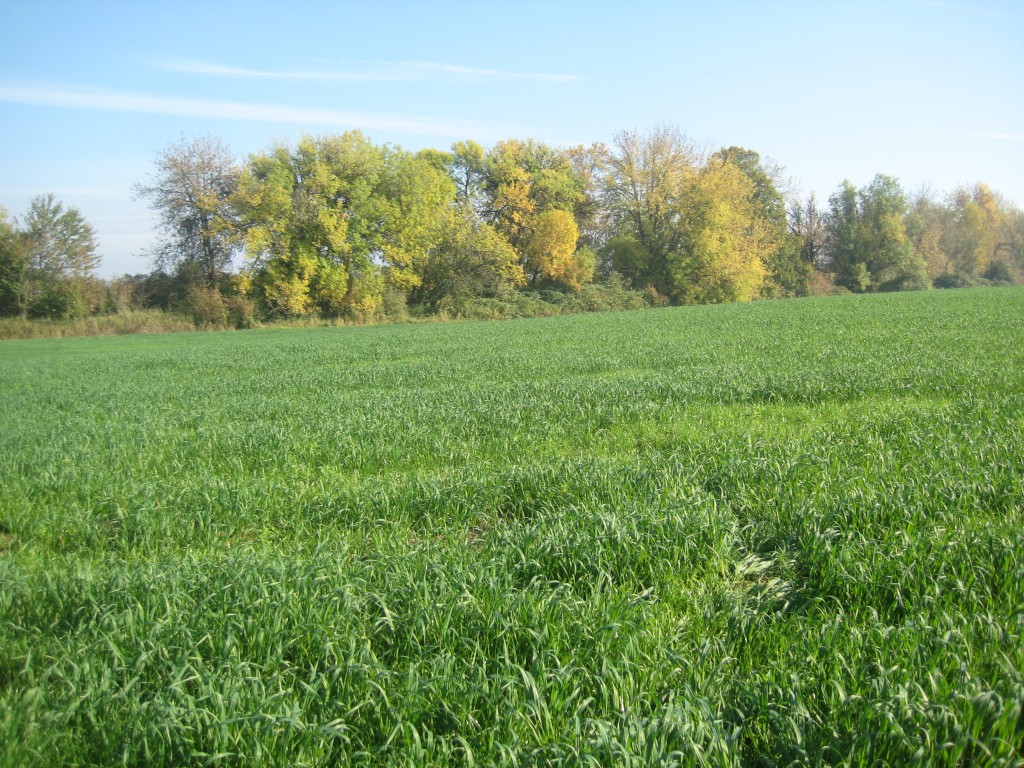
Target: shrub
[
  {"x": 240, "y": 311},
  {"x": 394, "y": 305},
  {"x": 999, "y": 273},
  {"x": 206, "y": 306},
  {"x": 608, "y": 297},
  {"x": 821, "y": 284},
  {"x": 654, "y": 297},
  {"x": 955, "y": 280},
  {"x": 912, "y": 280}
]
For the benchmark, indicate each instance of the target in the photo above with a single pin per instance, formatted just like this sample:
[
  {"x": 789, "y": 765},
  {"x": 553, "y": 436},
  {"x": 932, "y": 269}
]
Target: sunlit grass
[{"x": 780, "y": 533}]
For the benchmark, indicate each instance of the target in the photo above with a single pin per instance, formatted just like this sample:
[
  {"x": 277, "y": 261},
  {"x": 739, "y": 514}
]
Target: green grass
[{"x": 785, "y": 533}]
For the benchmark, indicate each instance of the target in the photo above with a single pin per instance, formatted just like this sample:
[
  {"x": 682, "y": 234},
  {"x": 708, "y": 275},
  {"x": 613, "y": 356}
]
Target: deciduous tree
[
  {"x": 469, "y": 259},
  {"x": 191, "y": 192},
  {"x": 645, "y": 195},
  {"x": 807, "y": 225},
  {"x": 551, "y": 250},
  {"x": 928, "y": 225},
  {"x": 846, "y": 255},
  {"x": 725, "y": 241},
  {"x": 13, "y": 268},
  {"x": 788, "y": 273},
  {"x": 60, "y": 242},
  {"x": 868, "y": 244},
  {"x": 329, "y": 223},
  {"x": 974, "y": 231},
  {"x": 296, "y": 207},
  {"x": 60, "y": 256}
]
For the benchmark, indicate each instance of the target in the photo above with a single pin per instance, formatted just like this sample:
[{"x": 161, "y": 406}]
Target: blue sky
[{"x": 929, "y": 91}]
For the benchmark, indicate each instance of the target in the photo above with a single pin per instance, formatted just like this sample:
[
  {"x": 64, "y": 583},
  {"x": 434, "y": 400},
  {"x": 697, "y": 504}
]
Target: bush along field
[{"x": 781, "y": 533}]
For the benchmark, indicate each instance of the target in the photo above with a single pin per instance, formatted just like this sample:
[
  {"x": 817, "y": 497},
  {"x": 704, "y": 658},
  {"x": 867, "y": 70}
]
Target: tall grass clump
[{"x": 127, "y": 321}]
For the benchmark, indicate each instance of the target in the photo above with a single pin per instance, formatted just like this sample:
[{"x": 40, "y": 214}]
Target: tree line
[{"x": 337, "y": 226}]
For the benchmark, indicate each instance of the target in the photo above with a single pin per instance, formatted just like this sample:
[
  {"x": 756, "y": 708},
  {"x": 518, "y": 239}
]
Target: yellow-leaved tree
[
  {"x": 330, "y": 223},
  {"x": 550, "y": 250},
  {"x": 974, "y": 231},
  {"x": 532, "y": 194},
  {"x": 296, "y": 228},
  {"x": 725, "y": 242}
]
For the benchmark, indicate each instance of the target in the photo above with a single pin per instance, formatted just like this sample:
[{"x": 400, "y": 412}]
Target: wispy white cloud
[
  {"x": 1001, "y": 136},
  {"x": 366, "y": 71},
  {"x": 78, "y": 97}
]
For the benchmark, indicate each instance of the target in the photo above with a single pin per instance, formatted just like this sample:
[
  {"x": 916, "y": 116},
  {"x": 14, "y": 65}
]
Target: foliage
[
  {"x": 329, "y": 224},
  {"x": 974, "y": 235},
  {"x": 773, "y": 533},
  {"x": 191, "y": 192},
  {"x": 789, "y": 272},
  {"x": 59, "y": 241},
  {"x": 469, "y": 260},
  {"x": 724, "y": 240},
  {"x": 467, "y": 167},
  {"x": 47, "y": 263},
  {"x": 645, "y": 193},
  {"x": 339, "y": 229},
  {"x": 13, "y": 267},
  {"x": 806, "y": 225},
  {"x": 868, "y": 247},
  {"x": 787, "y": 255},
  {"x": 207, "y": 306},
  {"x": 550, "y": 251},
  {"x": 610, "y": 295},
  {"x": 295, "y": 210},
  {"x": 698, "y": 230}
]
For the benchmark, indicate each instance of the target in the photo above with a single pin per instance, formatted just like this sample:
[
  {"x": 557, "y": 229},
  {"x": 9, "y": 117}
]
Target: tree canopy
[
  {"x": 47, "y": 261},
  {"x": 191, "y": 192},
  {"x": 338, "y": 226}
]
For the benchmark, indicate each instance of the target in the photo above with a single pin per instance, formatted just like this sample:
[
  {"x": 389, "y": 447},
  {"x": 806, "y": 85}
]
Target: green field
[{"x": 781, "y": 533}]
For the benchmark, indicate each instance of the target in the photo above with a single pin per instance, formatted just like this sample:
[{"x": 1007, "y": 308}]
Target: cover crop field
[{"x": 781, "y": 533}]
